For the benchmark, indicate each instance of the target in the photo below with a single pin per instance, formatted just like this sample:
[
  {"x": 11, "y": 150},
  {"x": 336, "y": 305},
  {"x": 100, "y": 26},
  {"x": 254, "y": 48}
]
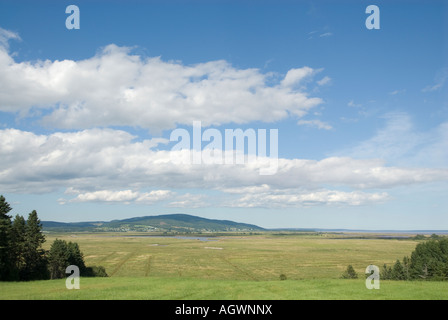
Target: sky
[{"x": 88, "y": 114}]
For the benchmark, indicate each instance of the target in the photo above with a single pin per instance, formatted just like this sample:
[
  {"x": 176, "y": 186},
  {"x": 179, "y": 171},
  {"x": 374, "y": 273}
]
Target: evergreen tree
[
  {"x": 76, "y": 257},
  {"x": 58, "y": 257},
  {"x": 4, "y": 207},
  {"x": 6, "y": 265},
  {"x": 18, "y": 245},
  {"x": 35, "y": 259},
  {"x": 406, "y": 268},
  {"x": 386, "y": 273},
  {"x": 429, "y": 260},
  {"x": 397, "y": 272},
  {"x": 63, "y": 254},
  {"x": 350, "y": 273}
]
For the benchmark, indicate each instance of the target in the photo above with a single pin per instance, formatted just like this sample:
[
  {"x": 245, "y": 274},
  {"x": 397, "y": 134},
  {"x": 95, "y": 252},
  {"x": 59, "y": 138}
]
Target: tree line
[
  {"x": 428, "y": 261},
  {"x": 22, "y": 257}
]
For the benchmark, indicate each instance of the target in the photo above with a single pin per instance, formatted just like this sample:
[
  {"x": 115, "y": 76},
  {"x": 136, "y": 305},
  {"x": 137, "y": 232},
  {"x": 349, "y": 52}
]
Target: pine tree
[
  {"x": 386, "y": 273},
  {"x": 429, "y": 260},
  {"x": 35, "y": 259},
  {"x": 18, "y": 245},
  {"x": 406, "y": 268},
  {"x": 63, "y": 254},
  {"x": 76, "y": 257},
  {"x": 6, "y": 265},
  {"x": 58, "y": 259},
  {"x": 350, "y": 273},
  {"x": 398, "y": 271}
]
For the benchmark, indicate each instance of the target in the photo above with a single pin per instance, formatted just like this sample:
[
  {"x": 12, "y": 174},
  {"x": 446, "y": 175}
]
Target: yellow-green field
[
  {"x": 233, "y": 267},
  {"x": 259, "y": 257}
]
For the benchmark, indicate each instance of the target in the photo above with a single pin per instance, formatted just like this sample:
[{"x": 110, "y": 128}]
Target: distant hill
[{"x": 162, "y": 223}]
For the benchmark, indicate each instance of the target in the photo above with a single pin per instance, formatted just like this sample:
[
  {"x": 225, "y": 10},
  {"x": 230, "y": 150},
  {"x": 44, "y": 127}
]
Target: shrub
[
  {"x": 349, "y": 273},
  {"x": 96, "y": 271}
]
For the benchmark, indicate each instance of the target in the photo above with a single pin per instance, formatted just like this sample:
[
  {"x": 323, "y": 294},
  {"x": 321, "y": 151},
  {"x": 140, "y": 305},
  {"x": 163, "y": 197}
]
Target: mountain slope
[{"x": 160, "y": 223}]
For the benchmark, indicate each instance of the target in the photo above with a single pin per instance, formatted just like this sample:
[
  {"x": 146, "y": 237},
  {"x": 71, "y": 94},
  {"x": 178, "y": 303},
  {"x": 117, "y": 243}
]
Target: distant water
[
  {"x": 175, "y": 237},
  {"x": 394, "y": 237}
]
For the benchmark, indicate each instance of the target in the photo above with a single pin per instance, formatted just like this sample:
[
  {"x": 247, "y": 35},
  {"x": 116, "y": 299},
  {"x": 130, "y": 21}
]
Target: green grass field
[
  {"x": 234, "y": 267},
  {"x": 155, "y": 288}
]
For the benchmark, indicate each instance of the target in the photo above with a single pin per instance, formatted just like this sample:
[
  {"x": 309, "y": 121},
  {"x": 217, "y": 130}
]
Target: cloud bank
[
  {"x": 117, "y": 88},
  {"x": 108, "y": 165}
]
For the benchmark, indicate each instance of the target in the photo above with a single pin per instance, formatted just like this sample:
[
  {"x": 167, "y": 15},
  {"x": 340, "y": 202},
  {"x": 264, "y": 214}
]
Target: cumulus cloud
[
  {"x": 295, "y": 76},
  {"x": 124, "y": 196},
  {"x": 189, "y": 200},
  {"x": 296, "y": 198},
  {"x": 117, "y": 88},
  {"x": 264, "y": 196},
  {"x": 109, "y": 165}
]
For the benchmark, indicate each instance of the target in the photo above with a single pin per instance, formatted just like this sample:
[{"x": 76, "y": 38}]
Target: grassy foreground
[
  {"x": 138, "y": 288},
  {"x": 230, "y": 268}
]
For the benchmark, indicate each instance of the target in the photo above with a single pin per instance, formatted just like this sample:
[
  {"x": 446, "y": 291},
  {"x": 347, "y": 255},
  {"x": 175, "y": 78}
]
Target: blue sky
[{"x": 362, "y": 115}]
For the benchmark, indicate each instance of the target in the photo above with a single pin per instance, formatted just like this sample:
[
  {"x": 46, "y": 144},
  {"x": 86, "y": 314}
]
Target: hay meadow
[{"x": 238, "y": 266}]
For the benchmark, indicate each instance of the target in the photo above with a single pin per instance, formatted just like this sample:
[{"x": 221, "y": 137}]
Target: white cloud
[
  {"x": 319, "y": 33},
  {"x": 315, "y": 123},
  {"x": 325, "y": 80},
  {"x": 107, "y": 196},
  {"x": 440, "y": 80},
  {"x": 395, "y": 92},
  {"x": 189, "y": 200},
  {"x": 402, "y": 144},
  {"x": 297, "y": 198},
  {"x": 125, "y": 196},
  {"x": 108, "y": 165},
  {"x": 352, "y": 103},
  {"x": 295, "y": 76},
  {"x": 6, "y": 35},
  {"x": 361, "y": 109},
  {"x": 117, "y": 88},
  {"x": 326, "y": 34}
]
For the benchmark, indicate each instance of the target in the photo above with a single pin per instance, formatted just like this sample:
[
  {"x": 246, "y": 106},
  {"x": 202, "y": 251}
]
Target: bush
[
  {"x": 349, "y": 273},
  {"x": 96, "y": 271},
  {"x": 282, "y": 277}
]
